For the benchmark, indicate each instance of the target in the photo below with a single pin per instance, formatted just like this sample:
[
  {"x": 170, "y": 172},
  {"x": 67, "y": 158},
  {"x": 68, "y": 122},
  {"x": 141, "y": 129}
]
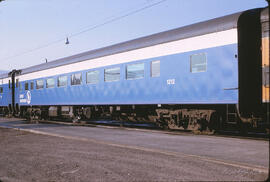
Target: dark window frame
[
  {"x": 50, "y": 86},
  {"x": 129, "y": 72},
  {"x": 32, "y": 85},
  {"x": 75, "y": 82},
  {"x": 66, "y": 82},
  {"x": 152, "y": 73},
  {"x": 109, "y": 69},
  {"x": 26, "y": 86},
  {"x": 204, "y": 65},
  {"x": 92, "y": 71},
  {"x": 17, "y": 82},
  {"x": 37, "y": 86}
]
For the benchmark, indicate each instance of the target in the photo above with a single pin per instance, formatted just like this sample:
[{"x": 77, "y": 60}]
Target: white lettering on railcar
[
  {"x": 22, "y": 100},
  {"x": 170, "y": 81},
  {"x": 26, "y": 98}
]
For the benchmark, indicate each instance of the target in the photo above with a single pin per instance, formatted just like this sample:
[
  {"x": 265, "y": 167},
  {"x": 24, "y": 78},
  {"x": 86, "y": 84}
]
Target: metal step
[{"x": 231, "y": 118}]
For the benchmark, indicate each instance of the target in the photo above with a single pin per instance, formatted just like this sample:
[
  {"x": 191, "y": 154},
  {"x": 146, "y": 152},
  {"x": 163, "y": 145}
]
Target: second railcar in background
[{"x": 206, "y": 76}]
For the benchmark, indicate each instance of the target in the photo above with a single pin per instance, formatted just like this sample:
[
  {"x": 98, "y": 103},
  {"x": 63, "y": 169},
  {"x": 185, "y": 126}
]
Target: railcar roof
[
  {"x": 210, "y": 26},
  {"x": 3, "y": 75}
]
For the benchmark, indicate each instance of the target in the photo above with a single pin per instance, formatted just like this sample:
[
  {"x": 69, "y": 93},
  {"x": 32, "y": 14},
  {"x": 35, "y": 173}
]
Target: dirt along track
[{"x": 68, "y": 153}]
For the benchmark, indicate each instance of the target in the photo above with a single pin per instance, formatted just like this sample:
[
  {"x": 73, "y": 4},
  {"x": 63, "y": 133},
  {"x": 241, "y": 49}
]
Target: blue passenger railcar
[
  {"x": 213, "y": 80},
  {"x": 5, "y": 94},
  {"x": 188, "y": 77}
]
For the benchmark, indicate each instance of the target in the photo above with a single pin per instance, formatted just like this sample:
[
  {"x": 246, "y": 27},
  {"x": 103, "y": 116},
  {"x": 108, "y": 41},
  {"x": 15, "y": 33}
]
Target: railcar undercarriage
[{"x": 197, "y": 118}]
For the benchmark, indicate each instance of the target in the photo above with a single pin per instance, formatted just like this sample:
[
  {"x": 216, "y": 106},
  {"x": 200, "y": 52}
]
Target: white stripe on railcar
[
  {"x": 180, "y": 46},
  {"x": 5, "y": 80}
]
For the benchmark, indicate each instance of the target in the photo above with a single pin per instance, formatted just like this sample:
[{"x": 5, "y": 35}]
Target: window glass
[
  {"x": 8, "y": 83},
  {"x": 50, "y": 83},
  {"x": 26, "y": 86},
  {"x": 17, "y": 83},
  {"x": 76, "y": 79},
  {"x": 155, "y": 68},
  {"x": 135, "y": 71},
  {"x": 62, "y": 81},
  {"x": 20, "y": 86},
  {"x": 112, "y": 74},
  {"x": 1, "y": 89},
  {"x": 39, "y": 84},
  {"x": 92, "y": 77},
  {"x": 265, "y": 78},
  {"x": 198, "y": 63},
  {"x": 32, "y": 85}
]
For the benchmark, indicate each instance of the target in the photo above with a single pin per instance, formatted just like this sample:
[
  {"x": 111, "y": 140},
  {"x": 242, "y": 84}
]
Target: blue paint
[
  {"x": 5, "y": 97},
  {"x": 189, "y": 88}
]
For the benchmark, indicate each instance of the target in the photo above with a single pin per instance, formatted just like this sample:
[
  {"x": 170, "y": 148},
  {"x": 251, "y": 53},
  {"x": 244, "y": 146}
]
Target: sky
[{"x": 32, "y": 31}]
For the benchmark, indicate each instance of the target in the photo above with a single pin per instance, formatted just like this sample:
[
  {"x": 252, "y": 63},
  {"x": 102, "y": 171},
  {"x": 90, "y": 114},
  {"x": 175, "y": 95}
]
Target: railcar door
[
  {"x": 10, "y": 92},
  {"x": 13, "y": 92}
]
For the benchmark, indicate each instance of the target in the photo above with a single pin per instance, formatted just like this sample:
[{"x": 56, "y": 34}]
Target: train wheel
[
  {"x": 87, "y": 112},
  {"x": 75, "y": 119},
  {"x": 185, "y": 123},
  {"x": 162, "y": 124}
]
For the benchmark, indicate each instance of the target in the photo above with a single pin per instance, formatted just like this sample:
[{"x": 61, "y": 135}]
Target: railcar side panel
[
  {"x": 4, "y": 95},
  {"x": 175, "y": 85}
]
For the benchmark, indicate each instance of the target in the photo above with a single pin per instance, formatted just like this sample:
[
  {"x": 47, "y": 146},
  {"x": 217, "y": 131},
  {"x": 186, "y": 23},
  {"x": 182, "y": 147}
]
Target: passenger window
[
  {"x": 265, "y": 78},
  {"x": 17, "y": 83},
  {"x": 39, "y": 84},
  {"x": 135, "y": 71},
  {"x": 32, "y": 85},
  {"x": 112, "y": 74},
  {"x": 50, "y": 83},
  {"x": 92, "y": 77},
  {"x": 76, "y": 79},
  {"x": 9, "y": 84},
  {"x": 26, "y": 87},
  {"x": 155, "y": 68},
  {"x": 20, "y": 86},
  {"x": 198, "y": 63},
  {"x": 62, "y": 81},
  {"x": 1, "y": 90}
]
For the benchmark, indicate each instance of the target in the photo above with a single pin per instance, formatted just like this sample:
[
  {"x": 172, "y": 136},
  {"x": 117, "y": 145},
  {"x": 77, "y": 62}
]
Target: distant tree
[{"x": 1, "y": 1}]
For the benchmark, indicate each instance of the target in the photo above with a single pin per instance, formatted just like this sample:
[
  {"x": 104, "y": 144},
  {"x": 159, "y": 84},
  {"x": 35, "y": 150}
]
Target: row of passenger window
[
  {"x": 133, "y": 71},
  {"x": 198, "y": 63}
]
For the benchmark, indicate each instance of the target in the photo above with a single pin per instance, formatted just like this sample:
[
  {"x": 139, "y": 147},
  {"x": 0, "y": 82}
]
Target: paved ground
[{"x": 67, "y": 153}]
